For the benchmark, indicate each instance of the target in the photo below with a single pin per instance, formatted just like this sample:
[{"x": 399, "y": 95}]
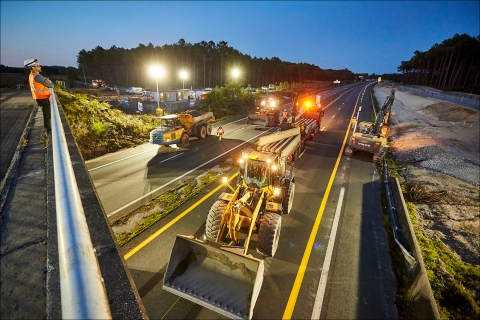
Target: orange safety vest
[
  {"x": 39, "y": 91},
  {"x": 285, "y": 115},
  {"x": 220, "y": 131}
]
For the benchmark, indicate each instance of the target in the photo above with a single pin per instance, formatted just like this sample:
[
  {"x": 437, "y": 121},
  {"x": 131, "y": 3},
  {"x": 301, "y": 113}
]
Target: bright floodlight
[
  {"x": 157, "y": 71},
  {"x": 183, "y": 74}
]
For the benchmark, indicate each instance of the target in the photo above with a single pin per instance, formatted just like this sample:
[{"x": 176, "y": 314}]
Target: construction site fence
[{"x": 460, "y": 98}]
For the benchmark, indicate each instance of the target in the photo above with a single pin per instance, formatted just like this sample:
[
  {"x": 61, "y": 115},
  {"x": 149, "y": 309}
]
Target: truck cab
[{"x": 169, "y": 132}]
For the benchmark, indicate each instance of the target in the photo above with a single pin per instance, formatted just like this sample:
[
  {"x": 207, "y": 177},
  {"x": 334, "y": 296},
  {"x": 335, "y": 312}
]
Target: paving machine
[
  {"x": 372, "y": 136},
  {"x": 219, "y": 273}
]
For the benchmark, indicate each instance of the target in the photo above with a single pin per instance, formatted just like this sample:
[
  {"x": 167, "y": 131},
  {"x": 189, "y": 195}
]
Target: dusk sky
[{"x": 362, "y": 36}]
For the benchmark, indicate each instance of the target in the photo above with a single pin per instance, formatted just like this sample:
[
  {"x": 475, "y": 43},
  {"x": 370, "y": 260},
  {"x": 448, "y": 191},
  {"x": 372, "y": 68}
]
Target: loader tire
[
  {"x": 209, "y": 129},
  {"x": 288, "y": 200},
  {"x": 185, "y": 140},
  {"x": 212, "y": 225},
  {"x": 269, "y": 234},
  {"x": 202, "y": 133}
]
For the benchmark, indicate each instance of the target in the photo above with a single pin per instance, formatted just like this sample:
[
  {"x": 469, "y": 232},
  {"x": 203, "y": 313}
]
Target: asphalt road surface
[
  {"x": 15, "y": 110},
  {"x": 305, "y": 279}
]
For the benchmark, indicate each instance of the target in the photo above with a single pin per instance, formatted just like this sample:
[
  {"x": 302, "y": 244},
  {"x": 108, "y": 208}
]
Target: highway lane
[
  {"x": 360, "y": 284},
  {"x": 314, "y": 178},
  {"x": 124, "y": 177},
  {"x": 130, "y": 177}
]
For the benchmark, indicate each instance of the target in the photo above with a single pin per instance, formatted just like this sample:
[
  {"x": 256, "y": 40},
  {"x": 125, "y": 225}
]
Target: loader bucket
[
  {"x": 208, "y": 274},
  {"x": 257, "y": 119}
]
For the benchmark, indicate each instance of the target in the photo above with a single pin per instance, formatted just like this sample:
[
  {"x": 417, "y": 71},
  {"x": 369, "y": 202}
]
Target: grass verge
[{"x": 455, "y": 284}]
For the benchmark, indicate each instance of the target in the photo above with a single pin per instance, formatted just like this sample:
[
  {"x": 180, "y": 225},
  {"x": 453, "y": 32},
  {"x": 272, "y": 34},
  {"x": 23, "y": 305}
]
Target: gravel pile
[{"x": 436, "y": 159}]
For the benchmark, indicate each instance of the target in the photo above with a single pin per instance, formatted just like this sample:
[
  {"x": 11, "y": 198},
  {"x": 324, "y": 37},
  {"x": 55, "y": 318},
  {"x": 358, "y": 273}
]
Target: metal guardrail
[
  {"x": 83, "y": 294},
  {"x": 463, "y": 99},
  {"x": 393, "y": 216}
]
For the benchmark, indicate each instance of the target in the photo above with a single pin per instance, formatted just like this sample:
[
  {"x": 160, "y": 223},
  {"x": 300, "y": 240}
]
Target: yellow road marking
[
  {"x": 171, "y": 223},
  {"x": 292, "y": 300}
]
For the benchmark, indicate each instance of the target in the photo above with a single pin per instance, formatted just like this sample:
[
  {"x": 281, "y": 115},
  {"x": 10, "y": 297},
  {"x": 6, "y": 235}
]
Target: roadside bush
[{"x": 99, "y": 128}]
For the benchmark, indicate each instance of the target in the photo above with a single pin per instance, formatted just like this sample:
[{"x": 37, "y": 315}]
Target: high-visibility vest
[
  {"x": 220, "y": 131},
  {"x": 39, "y": 91},
  {"x": 285, "y": 115}
]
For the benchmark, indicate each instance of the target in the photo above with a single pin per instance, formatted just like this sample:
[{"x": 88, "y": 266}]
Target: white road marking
[
  {"x": 171, "y": 157},
  {"x": 137, "y": 154},
  {"x": 317, "y": 308},
  {"x": 183, "y": 175},
  {"x": 107, "y": 164}
]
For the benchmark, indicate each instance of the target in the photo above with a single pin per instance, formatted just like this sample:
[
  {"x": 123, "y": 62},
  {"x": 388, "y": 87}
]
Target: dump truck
[
  {"x": 219, "y": 272},
  {"x": 268, "y": 114},
  {"x": 177, "y": 129},
  {"x": 372, "y": 136}
]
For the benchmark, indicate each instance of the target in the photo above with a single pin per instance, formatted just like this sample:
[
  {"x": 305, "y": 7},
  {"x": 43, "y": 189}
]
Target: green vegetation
[
  {"x": 453, "y": 65},
  {"x": 209, "y": 64},
  {"x": 99, "y": 128},
  {"x": 163, "y": 205},
  {"x": 453, "y": 282}
]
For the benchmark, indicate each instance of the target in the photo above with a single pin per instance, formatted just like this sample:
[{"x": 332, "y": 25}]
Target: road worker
[
  {"x": 285, "y": 115},
  {"x": 39, "y": 85},
  {"x": 220, "y": 133}
]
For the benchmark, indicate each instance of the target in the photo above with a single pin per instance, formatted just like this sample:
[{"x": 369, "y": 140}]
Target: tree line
[
  {"x": 208, "y": 64},
  {"x": 453, "y": 65}
]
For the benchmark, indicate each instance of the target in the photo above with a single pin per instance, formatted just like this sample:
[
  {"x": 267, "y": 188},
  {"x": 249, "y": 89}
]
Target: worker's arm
[{"x": 45, "y": 81}]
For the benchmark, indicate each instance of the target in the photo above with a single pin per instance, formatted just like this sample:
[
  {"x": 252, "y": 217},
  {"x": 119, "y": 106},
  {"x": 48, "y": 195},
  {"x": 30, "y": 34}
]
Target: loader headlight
[
  {"x": 276, "y": 191},
  {"x": 224, "y": 180},
  {"x": 241, "y": 161},
  {"x": 274, "y": 167}
]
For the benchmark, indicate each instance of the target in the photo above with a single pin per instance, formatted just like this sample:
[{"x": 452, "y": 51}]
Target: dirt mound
[
  {"x": 448, "y": 112},
  {"x": 436, "y": 146}
]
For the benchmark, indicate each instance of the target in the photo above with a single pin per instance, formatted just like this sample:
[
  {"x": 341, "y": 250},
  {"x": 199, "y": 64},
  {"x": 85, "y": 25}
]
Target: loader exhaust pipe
[{"x": 217, "y": 277}]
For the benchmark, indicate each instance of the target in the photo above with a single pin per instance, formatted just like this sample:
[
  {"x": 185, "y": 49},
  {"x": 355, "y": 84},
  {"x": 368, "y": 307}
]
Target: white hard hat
[{"x": 30, "y": 63}]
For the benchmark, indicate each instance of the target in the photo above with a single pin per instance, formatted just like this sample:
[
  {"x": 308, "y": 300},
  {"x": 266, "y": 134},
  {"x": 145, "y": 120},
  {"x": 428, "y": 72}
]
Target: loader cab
[{"x": 259, "y": 170}]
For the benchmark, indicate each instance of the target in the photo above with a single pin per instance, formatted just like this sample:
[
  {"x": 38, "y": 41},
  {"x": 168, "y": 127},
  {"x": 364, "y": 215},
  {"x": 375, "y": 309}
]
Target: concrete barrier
[{"x": 424, "y": 302}]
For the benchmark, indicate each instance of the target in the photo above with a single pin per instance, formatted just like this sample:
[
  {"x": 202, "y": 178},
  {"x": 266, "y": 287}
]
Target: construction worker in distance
[
  {"x": 39, "y": 85},
  {"x": 220, "y": 133},
  {"x": 285, "y": 115}
]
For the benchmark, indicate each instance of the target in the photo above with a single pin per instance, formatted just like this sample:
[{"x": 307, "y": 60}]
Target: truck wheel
[
  {"x": 269, "y": 234},
  {"x": 185, "y": 140},
  {"x": 212, "y": 226},
  {"x": 209, "y": 129},
  {"x": 203, "y": 132},
  {"x": 288, "y": 200}
]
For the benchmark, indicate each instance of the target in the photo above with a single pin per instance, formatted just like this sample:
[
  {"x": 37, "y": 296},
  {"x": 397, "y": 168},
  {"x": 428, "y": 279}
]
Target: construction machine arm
[{"x": 383, "y": 115}]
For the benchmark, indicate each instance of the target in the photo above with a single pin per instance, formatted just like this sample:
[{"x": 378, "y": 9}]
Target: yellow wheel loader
[{"x": 219, "y": 273}]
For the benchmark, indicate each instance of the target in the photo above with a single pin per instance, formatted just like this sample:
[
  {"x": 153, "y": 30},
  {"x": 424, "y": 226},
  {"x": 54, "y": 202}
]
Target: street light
[
  {"x": 183, "y": 75},
  {"x": 157, "y": 72},
  {"x": 235, "y": 74}
]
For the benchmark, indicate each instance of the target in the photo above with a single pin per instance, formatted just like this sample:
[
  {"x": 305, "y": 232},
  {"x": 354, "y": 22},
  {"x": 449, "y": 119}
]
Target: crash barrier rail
[
  {"x": 83, "y": 294},
  {"x": 424, "y": 302},
  {"x": 463, "y": 99}
]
